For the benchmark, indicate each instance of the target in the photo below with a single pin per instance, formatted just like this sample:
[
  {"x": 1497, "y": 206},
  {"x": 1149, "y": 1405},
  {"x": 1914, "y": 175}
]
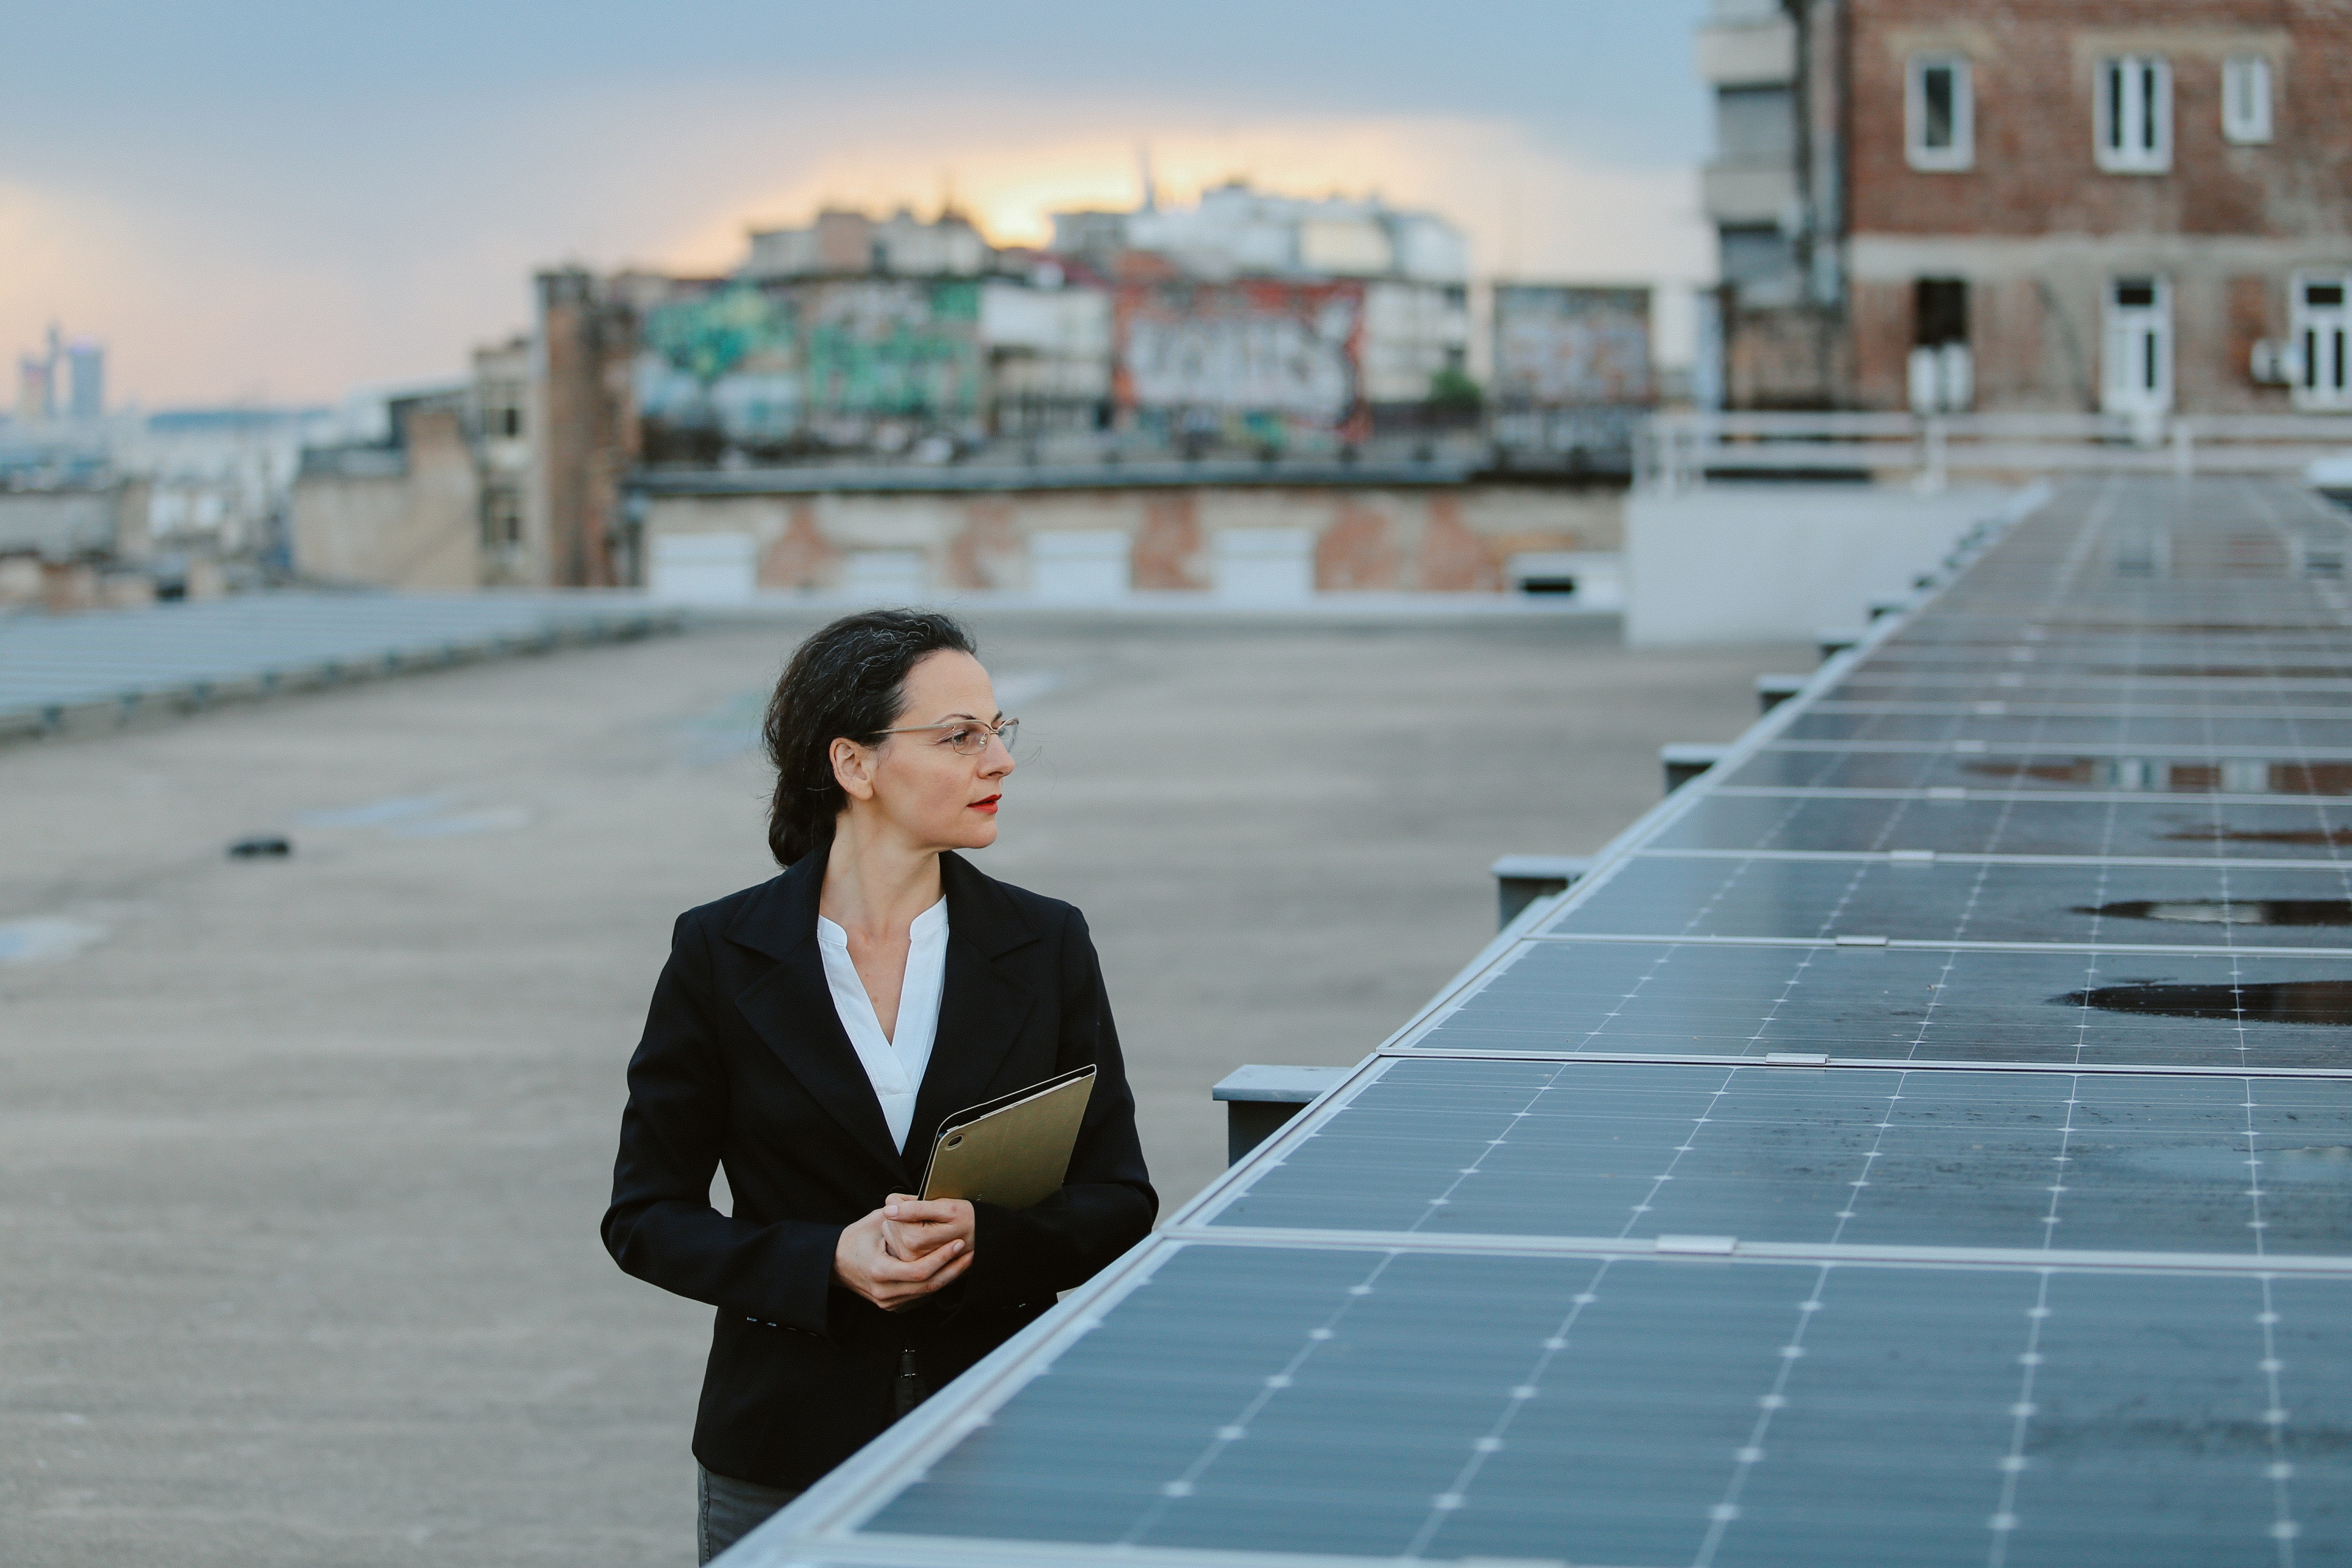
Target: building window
[
  {"x": 1940, "y": 113},
  {"x": 1755, "y": 127},
  {"x": 1942, "y": 369},
  {"x": 1755, "y": 255},
  {"x": 2136, "y": 115},
  {"x": 2246, "y": 99},
  {"x": 501, "y": 521},
  {"x": 2322, "y": 321}
]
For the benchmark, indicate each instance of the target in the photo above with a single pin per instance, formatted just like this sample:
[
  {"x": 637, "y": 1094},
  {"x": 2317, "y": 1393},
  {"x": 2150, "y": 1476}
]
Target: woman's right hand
[{"x": 864, "y": 1262}]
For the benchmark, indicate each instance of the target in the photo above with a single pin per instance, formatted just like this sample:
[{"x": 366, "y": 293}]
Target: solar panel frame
[
  {"x": 1568, "y": 1146},
  {"x": 833, "y": 1522}
]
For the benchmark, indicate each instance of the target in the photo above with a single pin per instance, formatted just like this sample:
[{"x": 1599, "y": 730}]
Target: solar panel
[
  {"x": 2035, "y": 769},
  {"x": 2197, "y": 827},
  {"x": 1378, "y": 1403},
  {"x": 1926, "y": 1138},
  {"x": 1946, "y": 1158},
  {"x": 253, "y": 643},
  {"x": 2259, "y": 731},
  {"x": 2079, "y": 1008}
]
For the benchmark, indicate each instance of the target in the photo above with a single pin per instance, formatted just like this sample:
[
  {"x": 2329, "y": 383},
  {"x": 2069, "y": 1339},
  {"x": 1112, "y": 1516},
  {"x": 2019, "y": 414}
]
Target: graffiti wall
[
  {"x": 1558, "y": 346},
  {"x": 1270, "y": 362},
  {"x": 778, "y": 369}
]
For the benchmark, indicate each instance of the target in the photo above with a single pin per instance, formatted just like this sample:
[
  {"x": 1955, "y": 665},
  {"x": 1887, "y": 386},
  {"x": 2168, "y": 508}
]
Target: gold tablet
[{"x": 1011, "y": 1151}]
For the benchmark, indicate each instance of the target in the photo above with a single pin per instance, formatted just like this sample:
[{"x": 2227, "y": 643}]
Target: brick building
[{"x": 2132, "y": 206}]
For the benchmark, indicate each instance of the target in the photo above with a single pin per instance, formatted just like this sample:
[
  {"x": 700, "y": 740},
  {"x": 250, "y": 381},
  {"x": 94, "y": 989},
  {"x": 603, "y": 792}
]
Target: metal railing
[{"x": 1676, "y": 451}]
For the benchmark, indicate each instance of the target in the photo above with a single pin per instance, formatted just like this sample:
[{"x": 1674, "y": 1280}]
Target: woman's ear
[{"x": 852, "y": 768}]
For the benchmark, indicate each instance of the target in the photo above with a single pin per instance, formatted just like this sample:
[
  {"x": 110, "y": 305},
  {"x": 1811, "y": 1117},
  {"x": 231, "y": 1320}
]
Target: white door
[
  {"x": 2321, "y": 322},
  {"x": 2139, "y": 347},
  {"x": 890, "y": 577},
  {"x": 1079, "y": 566},
  {"x": 1266, "y": 565},
  {"x": 704, "y": 568}
]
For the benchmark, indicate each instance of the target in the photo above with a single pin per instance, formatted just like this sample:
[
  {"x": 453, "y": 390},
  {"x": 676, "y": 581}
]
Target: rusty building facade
[
  {"x": 439, "y": 497},
  {"x": 2139, "y": 207},
  {"x": 1572, "y": 369},
  {"x": 712, "y": 412}
]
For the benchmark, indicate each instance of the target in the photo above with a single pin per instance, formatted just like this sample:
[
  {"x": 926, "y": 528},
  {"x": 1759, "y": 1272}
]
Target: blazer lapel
[
  {"x": 981, "y": 1009},
  {"x": 791, "y": 1008}
]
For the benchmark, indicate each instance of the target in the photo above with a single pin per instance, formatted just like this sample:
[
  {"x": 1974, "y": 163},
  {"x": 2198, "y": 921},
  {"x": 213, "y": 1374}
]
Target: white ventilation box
[
  {"x": 1266, "y": 565},
  {"x": 1080, "y": 566},
  {"x": 704, "y": 568},
  {"x": 884, "y": 576}
]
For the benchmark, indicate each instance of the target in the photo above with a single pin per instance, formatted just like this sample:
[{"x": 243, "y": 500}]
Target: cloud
[
  {"x": 1532, "y": 209},
  {"x": 337, "y": 268}
]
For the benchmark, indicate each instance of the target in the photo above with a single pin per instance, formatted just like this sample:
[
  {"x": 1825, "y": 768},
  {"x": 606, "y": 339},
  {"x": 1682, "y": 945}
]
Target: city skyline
[{"x": 284, "y": 206}]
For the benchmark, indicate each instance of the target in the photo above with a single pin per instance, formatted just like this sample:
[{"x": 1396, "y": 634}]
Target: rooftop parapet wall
[
  {"x": 1438, "y": 539},
  {"x": 1754, "y": 562}
]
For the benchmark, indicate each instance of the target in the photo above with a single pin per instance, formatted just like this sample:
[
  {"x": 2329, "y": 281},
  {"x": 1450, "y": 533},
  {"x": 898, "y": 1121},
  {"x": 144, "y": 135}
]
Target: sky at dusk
[{"x": 278, "y": 202}]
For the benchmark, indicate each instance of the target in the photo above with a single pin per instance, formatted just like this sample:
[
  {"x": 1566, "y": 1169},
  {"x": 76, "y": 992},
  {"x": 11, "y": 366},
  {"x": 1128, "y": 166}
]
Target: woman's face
[{"x": 916, "y": 782}]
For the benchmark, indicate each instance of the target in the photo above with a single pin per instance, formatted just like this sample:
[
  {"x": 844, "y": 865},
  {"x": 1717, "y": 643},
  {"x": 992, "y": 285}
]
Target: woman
[{"x": 810, "y": 1033}]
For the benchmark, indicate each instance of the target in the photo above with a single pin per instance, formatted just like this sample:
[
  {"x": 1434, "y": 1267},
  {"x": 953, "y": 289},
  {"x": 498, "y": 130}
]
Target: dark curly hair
[{"x": 848, "y": 681}]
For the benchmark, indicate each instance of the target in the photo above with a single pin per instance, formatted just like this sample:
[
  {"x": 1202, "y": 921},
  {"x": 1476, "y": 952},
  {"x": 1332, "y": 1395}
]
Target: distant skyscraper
[
  {"x": 86, "y": 360},
  {"x": 32, "y": 390}
]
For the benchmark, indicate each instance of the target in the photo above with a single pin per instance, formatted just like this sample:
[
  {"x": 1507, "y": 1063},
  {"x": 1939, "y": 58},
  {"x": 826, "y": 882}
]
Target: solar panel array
[
  {"x": 1927, "y": 1139},
  {"x": 114, "y": 661}
]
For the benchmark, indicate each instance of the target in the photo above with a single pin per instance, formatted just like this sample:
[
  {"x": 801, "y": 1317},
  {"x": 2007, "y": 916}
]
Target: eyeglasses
[{"x": 967, "y": 737}]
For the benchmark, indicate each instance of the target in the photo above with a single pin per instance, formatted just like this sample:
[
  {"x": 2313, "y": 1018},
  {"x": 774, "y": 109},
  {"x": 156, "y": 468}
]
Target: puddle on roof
[
  {"x": 725, "y": 732},
  {"x": 2324, "y": 1165},
  {"x": 2228, "y": 671},
  {"x": 2229, "y": 911},
  {"x": 376, "y": 812},
  {"x": 2197, "y": 629},
  {"x": 499, "y": 819},
  {"x": 2271, "y": 1002},
  {"x": 46, "y": 939},
  {"x": 2075, "y": 770},
  {"x": 2205, "y": 776},
  {"x": 2330, "y": 1162},
  {"x": 2222, "y": 833}
]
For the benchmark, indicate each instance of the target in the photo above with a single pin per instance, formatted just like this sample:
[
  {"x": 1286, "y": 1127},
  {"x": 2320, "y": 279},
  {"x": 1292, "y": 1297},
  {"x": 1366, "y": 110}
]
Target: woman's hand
[
  {"x": 913, "y": 1228},
  {"x": 904, "y": 1251}
]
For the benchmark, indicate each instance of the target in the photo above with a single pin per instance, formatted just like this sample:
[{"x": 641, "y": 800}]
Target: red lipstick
[{"x": 988, "y": 806}]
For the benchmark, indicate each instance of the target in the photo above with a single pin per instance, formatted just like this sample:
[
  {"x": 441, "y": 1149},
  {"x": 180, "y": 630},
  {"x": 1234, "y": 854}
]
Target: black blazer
[{"x": 744, "y": 1063}]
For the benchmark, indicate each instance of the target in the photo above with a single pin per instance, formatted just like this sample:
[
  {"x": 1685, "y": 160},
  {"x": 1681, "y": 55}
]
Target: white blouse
[{"x": 895, "y": 1067}]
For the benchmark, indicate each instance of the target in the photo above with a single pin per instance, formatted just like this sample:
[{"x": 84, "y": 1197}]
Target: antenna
[{"x": 1143, "y": 167}]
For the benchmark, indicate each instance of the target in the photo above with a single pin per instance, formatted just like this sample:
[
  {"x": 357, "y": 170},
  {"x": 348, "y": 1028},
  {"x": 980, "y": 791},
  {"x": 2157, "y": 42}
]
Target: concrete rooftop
[{"x": 301, "y": 1160}]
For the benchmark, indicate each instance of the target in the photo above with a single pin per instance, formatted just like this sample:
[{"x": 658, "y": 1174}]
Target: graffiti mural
[
  {"x": 779, "y": 369},
  {"x": 1558, "y": 346},
  {"x": 1265, "y": 362}
]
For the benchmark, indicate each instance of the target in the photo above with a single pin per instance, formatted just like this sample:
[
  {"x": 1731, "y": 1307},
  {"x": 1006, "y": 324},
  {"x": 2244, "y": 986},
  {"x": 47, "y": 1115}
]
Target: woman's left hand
[{"x": 912, "y": 1228}]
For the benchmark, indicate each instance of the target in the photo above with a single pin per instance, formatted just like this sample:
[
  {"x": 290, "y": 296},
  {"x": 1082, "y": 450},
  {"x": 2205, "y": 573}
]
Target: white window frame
[
  {"x": 2139, "y": 140},
  {"x": 2246, "y": 99},
  {"x": 2322, "y": 340},
  {"x": 1962, "y": 153}
]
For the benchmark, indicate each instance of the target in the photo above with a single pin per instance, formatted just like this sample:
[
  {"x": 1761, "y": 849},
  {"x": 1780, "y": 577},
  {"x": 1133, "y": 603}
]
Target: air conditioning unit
[{"x": 2276, "y": 364}]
